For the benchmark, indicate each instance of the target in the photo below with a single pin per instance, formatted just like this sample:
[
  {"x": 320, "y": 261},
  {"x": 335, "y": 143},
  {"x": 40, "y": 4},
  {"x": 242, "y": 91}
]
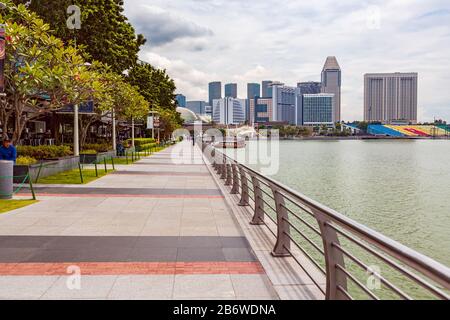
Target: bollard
[{"x": 6, "y": 179}]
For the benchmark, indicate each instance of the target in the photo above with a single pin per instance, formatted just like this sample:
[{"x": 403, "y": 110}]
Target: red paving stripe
[
  {"x": 131, "y": 268},
  {"x": 158, "y": 196}
]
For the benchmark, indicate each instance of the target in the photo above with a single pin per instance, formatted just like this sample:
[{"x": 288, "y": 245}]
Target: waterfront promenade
[{"x": 158, "y": 229}]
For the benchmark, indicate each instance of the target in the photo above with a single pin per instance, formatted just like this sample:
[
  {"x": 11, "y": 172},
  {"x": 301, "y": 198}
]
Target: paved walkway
[{"x": 157, "y": 229}]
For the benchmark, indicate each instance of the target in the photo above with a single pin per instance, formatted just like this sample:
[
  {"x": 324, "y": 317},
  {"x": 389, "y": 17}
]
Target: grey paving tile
[
  {"x": 24, "y": 241},
  {"x": 234, "y": 242},
  {"x": 199, "y": 242},
  {"x": 153, "y": 255},
  {"x": 157, "y": 242},
  {"x": 253, "y": 286},
  {"x": 207, "y": 286},
  {"x": 238, "y": 255},
  {"x": 200, "y": 254},
  {"x": 11, "y": 255},
  {"x": 25, "y": 287},
  {"x": 92, "y": 287},
  {"x": 142, "y": 287}
]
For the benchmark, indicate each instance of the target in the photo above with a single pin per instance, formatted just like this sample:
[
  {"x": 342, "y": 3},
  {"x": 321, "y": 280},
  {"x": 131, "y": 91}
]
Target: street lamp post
[
  {"x": 114, "y": 141},
  {"x": 76, "y": 135},
  {"x": 132, "y": 132}
]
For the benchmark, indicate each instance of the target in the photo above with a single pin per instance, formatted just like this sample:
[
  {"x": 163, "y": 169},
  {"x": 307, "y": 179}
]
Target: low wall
[
  {"x": 96, "y": 158},
  {"x": 49, "y": 168}
]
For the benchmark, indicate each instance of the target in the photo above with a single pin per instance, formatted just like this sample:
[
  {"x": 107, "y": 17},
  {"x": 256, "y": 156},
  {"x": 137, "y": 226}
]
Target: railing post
[
  {"x": 335, "y": 278},
  {"x": 229, "y": 180},
  {"x": 258, "y": 216},
  {"x": 235, "y": 189},
  {"x": 283, "y": 245},
  {"x": 244, "y": 186},
  {"x": 223, "y": 168}
]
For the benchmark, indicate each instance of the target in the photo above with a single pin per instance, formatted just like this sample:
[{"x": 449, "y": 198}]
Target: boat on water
[{"x": 231, "y": 143}]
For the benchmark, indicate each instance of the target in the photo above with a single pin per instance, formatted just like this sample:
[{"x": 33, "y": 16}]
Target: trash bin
[{"x": 6, "y": 179}]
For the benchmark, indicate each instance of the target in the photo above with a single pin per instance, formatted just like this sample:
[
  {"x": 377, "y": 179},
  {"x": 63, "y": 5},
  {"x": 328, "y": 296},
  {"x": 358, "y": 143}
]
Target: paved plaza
[{"x": 158, "y": 229}]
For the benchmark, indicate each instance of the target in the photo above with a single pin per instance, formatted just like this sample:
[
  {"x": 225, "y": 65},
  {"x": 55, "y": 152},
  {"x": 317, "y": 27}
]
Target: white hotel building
[{"x": 229, "y": 111}]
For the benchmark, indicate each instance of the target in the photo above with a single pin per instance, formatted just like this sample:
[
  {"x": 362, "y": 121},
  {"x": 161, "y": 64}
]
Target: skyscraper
[
  {"x": 318, "y": 109},
  {"x": 228, "y": 111},
  {"x": 331, "y": 83},
  {"x": 198, "y": 107},
  {"x": 309, "y": 87},
  {"x": 266, "y": 89},
  {"x": 181, "y": 100},
  {"x": 390, "y": 96},
  {"x": 253, "y": 90},
  {"x": 215, "y": 91},
  {"x": 231, "y": 90},
  {"x": 284, "y": 103}
]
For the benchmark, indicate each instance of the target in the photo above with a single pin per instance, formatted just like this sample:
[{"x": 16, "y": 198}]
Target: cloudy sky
[{"x": 242, "y": 41}]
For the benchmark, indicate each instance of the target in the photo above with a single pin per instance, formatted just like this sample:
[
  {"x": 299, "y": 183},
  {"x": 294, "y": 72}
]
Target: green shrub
[
  {"x": 146, "y": 147},
  {"x": 141, "y": 141},
  {"x": 44, "y": 152},
  {"x": 25, "y": 161},
  {"x": 98, "y": 147},
  {"x": 89, "y": 152}
]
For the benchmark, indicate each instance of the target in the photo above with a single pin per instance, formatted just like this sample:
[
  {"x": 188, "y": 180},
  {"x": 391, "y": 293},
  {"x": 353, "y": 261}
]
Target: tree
[
  {"x": 159, "y": 90},
  {"x": 117, "y": 95},
  {"x": 41, "y": 74},
  {"x": 105, "y": 34}
]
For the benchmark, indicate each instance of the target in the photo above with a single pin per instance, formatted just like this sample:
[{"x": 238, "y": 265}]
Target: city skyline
[{"x": 196, "y": 43}]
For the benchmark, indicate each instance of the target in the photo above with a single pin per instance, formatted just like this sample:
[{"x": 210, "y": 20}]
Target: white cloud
[{"x": 250, "y": 41}]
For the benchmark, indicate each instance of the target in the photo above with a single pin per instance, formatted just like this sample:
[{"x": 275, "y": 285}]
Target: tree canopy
[
  {"x": 43, "y": 75},
  {"x": 159, "y": 90},
  {"x": 105, "y": 34}
]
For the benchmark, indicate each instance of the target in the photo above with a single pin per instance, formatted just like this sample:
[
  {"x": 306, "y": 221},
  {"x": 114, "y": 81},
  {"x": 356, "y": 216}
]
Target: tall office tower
[
  {"x": 198, "y": 107},
  {"x": 215, "y": 91},
  {"x": 181, "y": 100},
  {"x": 266, "y": 89},
  {"x": 390, "y": 96},
  {"x": 331, "y": 83},
  {"x": 253, "y": 90},
  {"x": 284, "y": 103},
  {"x": 228, "y": 111},
  {"x": 231, "y": 90},
  {"x": 318, "y": 109},
  {"x": 310, "y": 87}
]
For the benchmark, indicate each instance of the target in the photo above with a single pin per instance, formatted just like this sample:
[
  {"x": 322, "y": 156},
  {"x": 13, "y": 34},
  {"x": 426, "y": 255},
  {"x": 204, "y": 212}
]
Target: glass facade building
[
  {"x": 181, "y": 100},
  {"x": 266, "y": 89},
  {"x": 231, "y": 90},
  {"x": 229, "y": 111},
  {"x": 215, "y": 91},
  {"x": 310, "y": 87},
  {"x": 253, "y": 90},
  {"x": 198, "y": 107},
  {"x": 318, "y": 109},
  {"x": 284, "y": 104}
]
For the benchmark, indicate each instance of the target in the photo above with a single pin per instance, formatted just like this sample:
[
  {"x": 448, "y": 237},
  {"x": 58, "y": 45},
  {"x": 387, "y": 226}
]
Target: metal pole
[
  {"x": 76, "y": 136},
  {"x": 114, "y": 141},
  {"x": 132, "y": 132}
]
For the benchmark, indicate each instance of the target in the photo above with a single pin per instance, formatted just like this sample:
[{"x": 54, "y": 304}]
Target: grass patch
[
  {"x": 9, "y": 205},
  {"x": 73, "y": 177},
  {"x": 124, "y": 161},
  {"x": 120, "y": 161}
]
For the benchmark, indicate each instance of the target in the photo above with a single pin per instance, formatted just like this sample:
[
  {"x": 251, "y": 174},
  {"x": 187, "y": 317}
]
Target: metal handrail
[{"x": 331, "y": 223}]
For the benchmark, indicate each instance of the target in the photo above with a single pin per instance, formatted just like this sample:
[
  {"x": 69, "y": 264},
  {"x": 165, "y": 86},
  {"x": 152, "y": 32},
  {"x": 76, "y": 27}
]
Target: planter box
[
  {"x": 49, "y": 167},
  {"x": 96, "y": 158}
]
